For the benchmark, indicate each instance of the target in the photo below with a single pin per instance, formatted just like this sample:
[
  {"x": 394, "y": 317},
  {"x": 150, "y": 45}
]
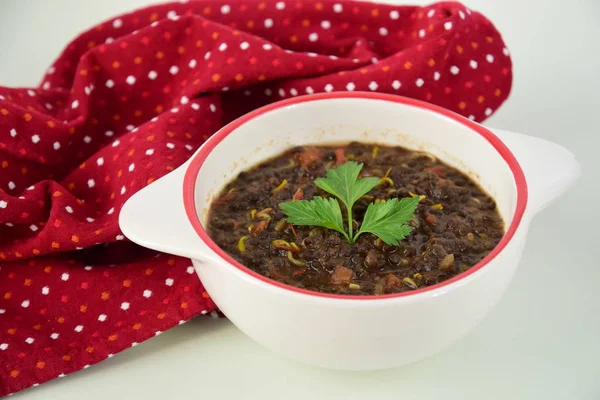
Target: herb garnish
[{"x": 386, "y": 220}]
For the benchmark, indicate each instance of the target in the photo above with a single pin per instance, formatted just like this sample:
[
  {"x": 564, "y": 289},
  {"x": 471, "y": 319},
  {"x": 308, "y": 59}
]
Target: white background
[{"x": 543, "y": 339}]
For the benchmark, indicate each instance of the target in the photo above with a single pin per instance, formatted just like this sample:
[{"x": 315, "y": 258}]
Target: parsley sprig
[{"x": 386, "y": 220}]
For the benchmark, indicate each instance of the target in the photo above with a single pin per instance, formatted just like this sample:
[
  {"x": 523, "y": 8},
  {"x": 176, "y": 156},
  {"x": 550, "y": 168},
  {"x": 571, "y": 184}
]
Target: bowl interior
[{"x": 402, "y": 122}]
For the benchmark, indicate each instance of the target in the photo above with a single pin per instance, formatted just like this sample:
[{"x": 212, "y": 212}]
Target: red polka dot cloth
[{"x": 132, "y": 98}]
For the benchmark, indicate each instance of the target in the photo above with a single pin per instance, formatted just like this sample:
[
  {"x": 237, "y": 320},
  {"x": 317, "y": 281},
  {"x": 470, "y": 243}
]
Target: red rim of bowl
[{"x": 189, "y": 185}]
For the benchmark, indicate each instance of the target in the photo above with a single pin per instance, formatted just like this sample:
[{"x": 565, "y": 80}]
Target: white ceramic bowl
[{"x": 522, "y": 173}]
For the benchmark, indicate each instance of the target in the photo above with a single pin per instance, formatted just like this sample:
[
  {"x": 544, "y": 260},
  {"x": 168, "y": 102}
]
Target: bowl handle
[
  {"x": 155, "y": 218},
  {"x": 549, "y": 169}
]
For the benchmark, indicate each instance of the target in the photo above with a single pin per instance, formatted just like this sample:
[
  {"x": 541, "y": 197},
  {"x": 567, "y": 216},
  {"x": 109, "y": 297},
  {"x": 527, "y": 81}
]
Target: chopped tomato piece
[
  {"x": 340, "y": 156},
  {"x": 224, "y": 199},
  {"x": 430, "y": 219},
  {"x": 280, "y": 244},
  {"x": 443, "y": 183},
  {"x": 261, "y": 226},
  {"x": 391, "y": 281},
  {"x": 439, "y": 171},
  {"x": 299, "y": 195},
  {"x": 341, "y": 275},
  {"x": 308, "y": 156},
  {"x": 299, "y": 272}
]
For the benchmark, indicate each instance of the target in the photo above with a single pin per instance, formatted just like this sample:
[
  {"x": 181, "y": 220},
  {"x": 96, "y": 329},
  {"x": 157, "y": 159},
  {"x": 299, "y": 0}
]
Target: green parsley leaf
[
  {"x": 316, "y": 212},
  {"x": 385, "y": 220},
  {"x": 343, "y": 183},
  {"x": 388, "y": 220}
]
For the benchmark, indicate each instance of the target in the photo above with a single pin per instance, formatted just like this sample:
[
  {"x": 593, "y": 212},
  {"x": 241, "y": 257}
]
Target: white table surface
[{"x": 542, "y": 341}]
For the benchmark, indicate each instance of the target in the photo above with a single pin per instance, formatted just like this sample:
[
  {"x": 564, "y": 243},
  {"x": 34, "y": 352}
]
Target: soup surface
[{"x": 456, "y": 224}]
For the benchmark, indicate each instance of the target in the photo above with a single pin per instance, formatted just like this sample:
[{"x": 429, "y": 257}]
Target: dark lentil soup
[{"x": 456, "y": 224}]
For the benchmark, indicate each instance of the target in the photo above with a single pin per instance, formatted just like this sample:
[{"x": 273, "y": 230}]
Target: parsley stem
[{"x": 350, "y": 240}]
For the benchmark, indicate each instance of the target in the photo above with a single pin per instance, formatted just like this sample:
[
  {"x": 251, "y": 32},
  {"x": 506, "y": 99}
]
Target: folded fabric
[{"x": 132, "y": 98}]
